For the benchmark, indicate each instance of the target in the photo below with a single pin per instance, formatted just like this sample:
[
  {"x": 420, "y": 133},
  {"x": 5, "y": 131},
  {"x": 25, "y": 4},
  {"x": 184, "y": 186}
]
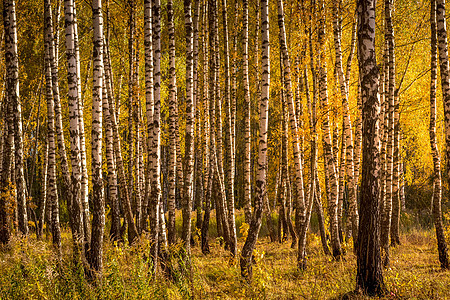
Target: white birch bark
[
  {"x": 73, "y": 95},
  {"x": 98, "y": 220},
  {"x": 52, "y": 195},
  {"x": 255, "y": 225}
]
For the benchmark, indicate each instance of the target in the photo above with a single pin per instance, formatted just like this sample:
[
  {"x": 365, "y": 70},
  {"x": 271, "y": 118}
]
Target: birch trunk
[
  {"x": 437, "y": 185},
  {"x": 387, "y": 208},
  {"x": 396, "y": 205},
  {"x": 347, "y": 125},
  {"x": 172, "y": 126},
  {"x": 229, "y": 141},
  {"x": 84, "y": 187},
  {"x": 52, "y": 194},
  {"x": 13, "y": 99},
  {"x": 149, "y": 103},
  {"x": 73, "y": 95},
  {"x": 247, "y": 200},
  {"x": 6, "y": 200},
  {"x": 329, "y": 161},
  {"x": 64, "y": 163},
  {"x": 110, "y": 157},
  {"x": 208, "y": 89},
  {"x": 247, "y": 251},
  {"x": 300, "y": 215},
  {"x": 98, "y": 200},
  {"x": 369, "y": 277},
  {"x": 189, "y": 137},
  {"x": 198, "y": 190},
  {"x": 155, "y": 170}
]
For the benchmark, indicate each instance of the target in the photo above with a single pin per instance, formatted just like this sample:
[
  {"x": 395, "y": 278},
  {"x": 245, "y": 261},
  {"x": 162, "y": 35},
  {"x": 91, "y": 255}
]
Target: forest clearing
[{"x": 204, "y": 149}]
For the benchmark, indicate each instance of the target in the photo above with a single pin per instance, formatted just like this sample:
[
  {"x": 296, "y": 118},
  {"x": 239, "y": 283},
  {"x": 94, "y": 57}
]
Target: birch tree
[
  {"x": 52, "y": 194},
  {"x": 329, "y": 160},
  {"x": 261, "y": 184},
  {"x": 98, "y": 221},
  {"x": 369, "y": 277},
  {"x": 438, "y": 33},
  {"x": 155, "y": 170},
  {"x": 229, "y": 138},
  {"x": 189, "y": 138},
  {"x": 389, "y": 115},
  {"x": 84, "y": 175},
  {"x": 72, "y": 80},
  {"x": 15, "y": 114},
  {"x": 247, "y": 200},
  {"x": 109, "y": 139},
  {"x": 347, "y": 125},
  {"x": 172, "y": 125}
]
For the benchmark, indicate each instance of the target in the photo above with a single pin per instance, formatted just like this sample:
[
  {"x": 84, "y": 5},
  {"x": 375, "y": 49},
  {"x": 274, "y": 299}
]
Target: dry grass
[{"x": 29, "y": 270}]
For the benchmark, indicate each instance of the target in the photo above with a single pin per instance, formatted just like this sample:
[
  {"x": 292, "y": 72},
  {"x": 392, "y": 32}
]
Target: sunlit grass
[{"x": 30, "y": 270}]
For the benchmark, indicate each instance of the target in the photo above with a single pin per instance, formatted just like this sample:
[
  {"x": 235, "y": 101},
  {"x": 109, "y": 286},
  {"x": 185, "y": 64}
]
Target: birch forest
[{"x": 224, "y": 149}]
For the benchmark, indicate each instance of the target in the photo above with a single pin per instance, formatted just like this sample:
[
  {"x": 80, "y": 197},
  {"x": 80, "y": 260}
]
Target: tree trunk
[
  {"x": 13, "y": 99},
  {"x": 110, "y": 157},
  {"x": 437, "y": 186},
  {"x": 247, "y": 200},
  {"x": 172, "y": 126},
  {"x": 98, "y": 200},
  {"x": 369, "y": 277},
  {"x": 387, "y": 208},
  {"x": 198, "y": 188},
  {"x": 52, "y": 194},
  {"x": 189, "y": 137},
  {"x": 396, "y": 205},
  {"x": 73, "y": 95},
  {"x": 300, "y": 215},
  {"x": 261, "y": 183},
  {"x": 64, "y": 163},
  {"x": 149, "y": 100},
  {"x": 347, "y": 125},
  {"x": 84, "y": 175},
  {"x": 283, "y": 216},
  {"x": 43, "y": 206},
  {"x": 155, "y": 170},
  {"x": 229, "y": 141},
  {"x": 329, "y": 159},
  {"x": 208, "y": 129}
]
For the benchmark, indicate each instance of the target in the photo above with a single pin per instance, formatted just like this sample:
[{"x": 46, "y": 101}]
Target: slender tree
[
  {"x": 387, "y": 208},
  {"x": 149, "y": 103},
  {"x": 15, "y": 115},
  {"x": 172, "y": 163},
  {"x": 52, "y": 193},
  {"x": 72, "y": 78},
  {"x": 43, "y": 205},
  {"x": 300, "y": 215},
  {"x": 109, "y": 145},
  {"x": 156, "y": 134},
  {"x": 189, "y": 138},
  {"x": 64, "y": 163},
  {"x": 98, "y": 221},
  {"x": 229, "y": 140},
  {"x": 208, "y": 96},
  {"x": 84, "y": 187},
  {"x": 247, "y": 200},
  {"x": 261, "y": 184},
  {"x": 347, "y": 125},
  {"x": 437, "y": 186},
  {"x": 329, "y": 157}
]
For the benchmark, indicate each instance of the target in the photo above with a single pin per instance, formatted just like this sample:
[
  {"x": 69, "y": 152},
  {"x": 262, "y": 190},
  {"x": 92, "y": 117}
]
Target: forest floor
[{"x": 30, "y": 270}]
